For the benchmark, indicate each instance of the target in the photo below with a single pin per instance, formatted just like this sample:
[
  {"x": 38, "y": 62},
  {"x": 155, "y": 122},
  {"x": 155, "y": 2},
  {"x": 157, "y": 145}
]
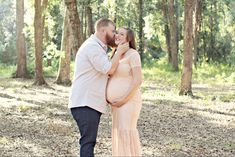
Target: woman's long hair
[{"x": 130, "y": 37}]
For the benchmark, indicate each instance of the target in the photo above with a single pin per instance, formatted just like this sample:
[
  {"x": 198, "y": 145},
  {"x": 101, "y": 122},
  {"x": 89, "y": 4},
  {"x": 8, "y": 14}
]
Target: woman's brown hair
[{"x": 130, "y": 37}]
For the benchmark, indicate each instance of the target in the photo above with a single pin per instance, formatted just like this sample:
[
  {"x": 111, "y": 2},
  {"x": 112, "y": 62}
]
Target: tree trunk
[
  {"x": 46, "y": 41},
  {"x": 21, "y": 71},
  {"x": 85, "y": 23},
  {"x": 38, "y": 37},
  {"x": 141, "y": 43},
  {"x": 64, "y": 67},
  {"x": 166, "y": 28},
  {"x": 75, "y": 24},
  {"x": 89, "y": 20},
  {"x": 173, "y": 36},
  {"x": 213, "y": 23},
  {"x": 116, "y": 11},
  {"x": 186, "y": 80},
  {"x": 177, "y": 24},
  {"x": 98, "y": 8},
  {"x": 198, "y": 12}
]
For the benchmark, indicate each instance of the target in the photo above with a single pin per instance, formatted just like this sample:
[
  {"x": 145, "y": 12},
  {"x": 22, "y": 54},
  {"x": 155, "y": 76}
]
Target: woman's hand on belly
[{"x": 118, "y": 103}]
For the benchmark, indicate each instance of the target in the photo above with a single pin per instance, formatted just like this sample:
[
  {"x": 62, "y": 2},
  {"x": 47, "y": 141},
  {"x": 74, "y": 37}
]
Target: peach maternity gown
[{"x": 125, "y": 136}]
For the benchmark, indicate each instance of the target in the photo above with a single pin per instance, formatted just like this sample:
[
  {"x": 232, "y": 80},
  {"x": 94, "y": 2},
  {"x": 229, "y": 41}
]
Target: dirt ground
[{"x": 35, "y": 121}]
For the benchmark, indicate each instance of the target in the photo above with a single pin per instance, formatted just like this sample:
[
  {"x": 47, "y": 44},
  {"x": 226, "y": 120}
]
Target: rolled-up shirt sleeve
[{"x": 99, "y": 59}]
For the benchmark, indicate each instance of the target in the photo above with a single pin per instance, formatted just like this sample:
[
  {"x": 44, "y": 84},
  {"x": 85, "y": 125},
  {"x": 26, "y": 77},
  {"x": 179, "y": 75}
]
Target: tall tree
[
  {"x": 90, "y": 24},
  {"x": 20, "y": 41},
  {"x": 75, "y": 24},
  {"x": 40, "y": 7},
  {"x": 198, "y": 12},
  {"x": 186, "y": 80},
  {"x": 213, "y": 30},
  {"x": 63, "y": 76},
  {"x": 173, "y": 35},
  {"x": 141, "y": 25},
  {"x": 166, "y": 28}
]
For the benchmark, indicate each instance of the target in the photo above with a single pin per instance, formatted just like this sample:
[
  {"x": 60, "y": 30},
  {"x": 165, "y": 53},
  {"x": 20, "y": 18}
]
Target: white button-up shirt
[{"x": 90, "y": 75}]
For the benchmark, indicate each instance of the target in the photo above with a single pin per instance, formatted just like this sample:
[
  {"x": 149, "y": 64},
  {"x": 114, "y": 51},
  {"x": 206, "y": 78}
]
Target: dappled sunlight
[
  {"x": 222, "y": 115},
  {"x": 37, "y": 119},
  {"x": 18, "y": 147}
]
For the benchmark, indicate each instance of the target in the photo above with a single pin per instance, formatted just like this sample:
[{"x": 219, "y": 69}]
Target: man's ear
[{"x": 102, "y": 30}]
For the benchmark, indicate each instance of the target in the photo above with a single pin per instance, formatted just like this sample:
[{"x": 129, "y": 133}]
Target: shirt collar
[{"x": 104, "y": 46}]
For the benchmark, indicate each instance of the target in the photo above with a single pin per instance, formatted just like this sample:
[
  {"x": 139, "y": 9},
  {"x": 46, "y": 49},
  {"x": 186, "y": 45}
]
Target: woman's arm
[
  {"x": 135, "y": 83},
  {"x": 121, "y": 49}
]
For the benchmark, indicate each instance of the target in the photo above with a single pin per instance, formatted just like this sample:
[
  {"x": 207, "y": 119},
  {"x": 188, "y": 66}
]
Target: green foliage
[
  {"x": 6, "y": 70},
  {"x": 54, "y": 23},
  {"x": 217, "y": 41},
  {"x": 160, "y": 70},
  {"x": 154, "y": 50},
  {"x": 216, "y": 47},
  {"x": 214, "y": 73},
  {"x": 7, "y": 32}
]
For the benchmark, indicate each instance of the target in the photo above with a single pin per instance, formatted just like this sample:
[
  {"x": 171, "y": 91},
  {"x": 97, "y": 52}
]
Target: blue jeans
[{"x": 88, "y": 121}]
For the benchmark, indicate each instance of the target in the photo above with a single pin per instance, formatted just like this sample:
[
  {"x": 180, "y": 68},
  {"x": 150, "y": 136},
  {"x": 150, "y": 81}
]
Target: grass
[
  {"x": 204, "y": 73},
  {"x": 215, "y": 73},
  {"x": 24, "y": 108},
  {"x": 3, "y": 140},
  {"x": 159, "y": 71},
  {"x": 6, "y": 70}
]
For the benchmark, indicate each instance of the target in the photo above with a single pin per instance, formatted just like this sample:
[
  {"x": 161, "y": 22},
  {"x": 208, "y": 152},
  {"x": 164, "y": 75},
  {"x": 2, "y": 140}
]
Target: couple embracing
[{"x": 99, "y": 81}]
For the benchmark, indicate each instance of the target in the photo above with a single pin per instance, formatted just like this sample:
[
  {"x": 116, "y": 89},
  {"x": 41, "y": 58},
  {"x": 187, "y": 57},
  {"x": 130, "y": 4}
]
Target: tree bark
[
  {"x": 21, "y": 71},
  {"x": 173, "y": 36},
  {"x": 186, "y": 80},
  {"x": 63, "y": 76},
  {"x": 75, "y": 24},
  {"x": 89, "y": 20},
  {"x": 166, "y": 28},
  {"x": 85, "y": 23},
  {"x": 198, "y": 12},
  {"x": 141, "y": 42},
  {"x": 40, "y": 7}
]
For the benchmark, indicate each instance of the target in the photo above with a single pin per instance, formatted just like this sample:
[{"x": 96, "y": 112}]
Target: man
[{"x": 87, "y": 99}]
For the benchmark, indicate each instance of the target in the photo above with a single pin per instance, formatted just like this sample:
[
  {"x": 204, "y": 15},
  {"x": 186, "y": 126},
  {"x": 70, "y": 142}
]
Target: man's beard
[{"x": 110, "y": 41}]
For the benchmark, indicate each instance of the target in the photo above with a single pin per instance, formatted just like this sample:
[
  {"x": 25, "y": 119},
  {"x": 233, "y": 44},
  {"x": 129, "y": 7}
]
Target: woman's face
[{"x": 121, "y": 36}]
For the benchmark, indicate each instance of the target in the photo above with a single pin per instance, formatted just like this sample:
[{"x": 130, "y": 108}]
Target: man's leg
[{"x": 88, "y": 121}]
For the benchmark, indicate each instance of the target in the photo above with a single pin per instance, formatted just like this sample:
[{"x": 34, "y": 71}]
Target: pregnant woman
[{"x": 123, "y": 93}]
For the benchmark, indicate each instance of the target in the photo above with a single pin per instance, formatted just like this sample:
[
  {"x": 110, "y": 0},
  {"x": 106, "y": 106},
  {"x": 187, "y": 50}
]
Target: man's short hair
[{"x": 103, "y": 22}]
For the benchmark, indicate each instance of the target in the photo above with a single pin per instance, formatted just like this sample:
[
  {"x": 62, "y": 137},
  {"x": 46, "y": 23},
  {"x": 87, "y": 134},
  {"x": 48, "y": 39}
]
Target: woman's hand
[
  {"x": 108, "y": 101},
  {"x": 117, "y": 104},
  {"x": 122, "y": 48}
]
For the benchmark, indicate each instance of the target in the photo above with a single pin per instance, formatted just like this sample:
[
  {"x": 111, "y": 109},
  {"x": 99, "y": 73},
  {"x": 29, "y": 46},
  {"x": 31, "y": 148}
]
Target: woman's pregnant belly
[{"x": 117, "y": 87}]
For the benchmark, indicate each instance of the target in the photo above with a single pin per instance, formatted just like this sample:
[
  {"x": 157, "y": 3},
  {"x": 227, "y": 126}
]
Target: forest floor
[{"x": 35, "y": 121}]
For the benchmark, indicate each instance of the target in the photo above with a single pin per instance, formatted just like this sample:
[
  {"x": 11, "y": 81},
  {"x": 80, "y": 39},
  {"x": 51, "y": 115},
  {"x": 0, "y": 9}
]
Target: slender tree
[
  {"x": 198, "y": 12},
  {"x": 186, "y": 80},
  {"x": 63, "y": 76},
  {"x": 40, "y": 7},
  {"x": 84, "y": 22},
  {"x": 90, "y": 24},
  {"x": 166, "y": 28},
  {"x": 173, "y": 35},
  {"x": 20, "y": 41},
  {"x": 75, "y": 24},
  {"x": 141, "y": 25}
]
